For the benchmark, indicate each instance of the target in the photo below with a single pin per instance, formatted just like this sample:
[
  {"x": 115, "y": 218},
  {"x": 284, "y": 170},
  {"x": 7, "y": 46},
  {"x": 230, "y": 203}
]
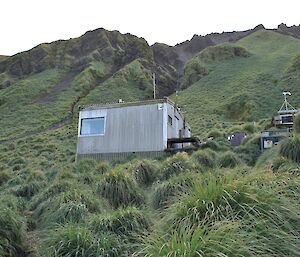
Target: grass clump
[
  {"x": 145, "y": 172},
  {"x": 54, "y": 189},
  {"x": 229, "y": 160},
  {"x": 297, "y": 124},
  {"x": 11, "y": 233},
  {"x": 102, "y": 167},
  {"x": 120, "y": 189},
  {"x": 175, "y": 164},
  {"x": 69, "y": 206},
  {"x": 84, "y": 166},
  {"x": 290, "y": 149},
  {"x": 76, "y": 241},
  {"x": 215, "y": 134},
  {"x": 123, "y": 222},
  {"x": 204, "y": 158},
  {"x": 220, "y": 239},
  {"x": 4, "y": 177},
  {"x": 249, "y": 151},
  {"x": 165, "y": 191}
]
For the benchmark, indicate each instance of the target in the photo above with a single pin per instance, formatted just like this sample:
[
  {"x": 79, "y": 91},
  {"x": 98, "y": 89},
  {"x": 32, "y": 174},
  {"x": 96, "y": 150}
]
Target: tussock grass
[
  {"x": 297, "y": 124},
  {"x": 145, "y": 172},
  {"x": 251, "y": 209},
  {"x": 175, "y": 164},
  {"x": 229, "y": 160},
  {"x": 54, "y": 189},
  {"x": 120, "y": 189},
  {"x": 215, "y": 134},
  {"x": 126, "y": 222},
  {"x": 4, "y": 177},
  {"x": 84, "y": 166},
  {"x": 102, "y": 167},
  {"x": 290, "y": 149},
  {"x": 69, "y": 206},
  {"x": 11, "y": 233},
  {"x": 219, "y": 239},
  {"x": 73, "y": 240},
  {"x": 205, "y": 159},
  {"x": 165, "y": 192}
]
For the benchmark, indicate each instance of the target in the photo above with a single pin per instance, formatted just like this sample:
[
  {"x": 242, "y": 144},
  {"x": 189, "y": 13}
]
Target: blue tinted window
[{"x": 92, "y": 126}]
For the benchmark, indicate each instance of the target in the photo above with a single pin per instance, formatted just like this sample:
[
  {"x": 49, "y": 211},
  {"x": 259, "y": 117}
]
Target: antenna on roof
[
  {"x": 154, "y": 86},
  {"x": 286, "y": 106}
]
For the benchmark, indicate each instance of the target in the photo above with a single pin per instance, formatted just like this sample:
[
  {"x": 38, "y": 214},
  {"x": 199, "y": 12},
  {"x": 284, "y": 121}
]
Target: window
[
  {"x": 170, "y": 121},
  {"x": 287, "y": 119},
  {"x": 92, "y": 126}
]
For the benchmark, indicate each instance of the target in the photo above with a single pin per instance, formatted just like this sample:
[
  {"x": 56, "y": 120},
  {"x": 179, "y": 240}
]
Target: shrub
[
  {"x": 11, "y": 233},
  {"x": 120, "y": 189},
  {"x": 124, "y": 222},
  {"x": 145, "y": 172},
  {"x": 204, "y": 158},
  {"x": 290, "y": 149},
  {"x": 229, "y": 160},
  {"x": 75, "y": 241},
  {"x": 175, "y": 164}
]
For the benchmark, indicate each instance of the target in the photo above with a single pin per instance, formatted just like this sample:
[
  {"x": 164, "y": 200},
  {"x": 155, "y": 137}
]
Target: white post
[{"x": 154, "y": 89}]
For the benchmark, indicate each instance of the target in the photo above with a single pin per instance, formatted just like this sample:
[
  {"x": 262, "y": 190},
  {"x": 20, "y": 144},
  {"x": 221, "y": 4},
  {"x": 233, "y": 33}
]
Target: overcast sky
[{"x": 27, "y": 23}]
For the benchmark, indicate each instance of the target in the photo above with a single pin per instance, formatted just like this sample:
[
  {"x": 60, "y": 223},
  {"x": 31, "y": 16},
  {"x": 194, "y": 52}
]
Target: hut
[{"x": 146, "y": 128}]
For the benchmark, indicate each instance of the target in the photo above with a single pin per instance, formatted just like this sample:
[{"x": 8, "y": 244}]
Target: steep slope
[{"x": 241, "y": 81}]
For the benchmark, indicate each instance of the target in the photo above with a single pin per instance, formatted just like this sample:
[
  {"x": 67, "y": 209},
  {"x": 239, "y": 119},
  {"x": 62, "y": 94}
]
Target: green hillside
[
  {"x": 218, "y": 201},
  {"x": 241, "y": 81}
]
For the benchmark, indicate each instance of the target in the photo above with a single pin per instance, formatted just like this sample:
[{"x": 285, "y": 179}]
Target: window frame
[{"x": 92, "y": 118}]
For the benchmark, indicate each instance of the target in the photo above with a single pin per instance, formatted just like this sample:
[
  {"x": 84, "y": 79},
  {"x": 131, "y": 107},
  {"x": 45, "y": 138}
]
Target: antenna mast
[
  {"x": 154, "y": 86},
  {"x": 286, "y": 106}
]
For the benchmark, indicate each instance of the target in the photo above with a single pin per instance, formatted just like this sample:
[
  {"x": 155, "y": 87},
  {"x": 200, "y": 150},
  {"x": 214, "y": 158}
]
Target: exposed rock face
[{"x": 293, "y": 30}]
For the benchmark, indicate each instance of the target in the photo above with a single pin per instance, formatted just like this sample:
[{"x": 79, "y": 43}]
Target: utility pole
[{"x": 154, "y": 86}]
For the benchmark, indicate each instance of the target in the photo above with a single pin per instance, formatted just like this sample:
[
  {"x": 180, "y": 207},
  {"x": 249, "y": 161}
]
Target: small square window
[
  {"x": 170, "y": 120},
  {"x": 92, "y": 126}
]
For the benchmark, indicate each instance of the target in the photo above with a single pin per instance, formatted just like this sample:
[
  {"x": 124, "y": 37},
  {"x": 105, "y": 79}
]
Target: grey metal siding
[
  {"x": 120, "y": 156},
  {"x": 173, "y": 131},
  {"x": 127, "y": 129}
]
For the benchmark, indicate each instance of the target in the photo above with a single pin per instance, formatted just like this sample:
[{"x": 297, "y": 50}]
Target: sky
[{"x": 27, "y": 23}]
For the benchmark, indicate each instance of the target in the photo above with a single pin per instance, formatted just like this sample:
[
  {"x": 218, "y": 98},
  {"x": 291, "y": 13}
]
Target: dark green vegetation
[
  {"x": 243, "y": 81},
  {"x": 217, "y": 201}
]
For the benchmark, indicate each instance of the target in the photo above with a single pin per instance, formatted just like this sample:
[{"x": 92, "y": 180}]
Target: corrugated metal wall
[
  {"x": 120, "y": 156},
  {"x": 127, "y": 129}
]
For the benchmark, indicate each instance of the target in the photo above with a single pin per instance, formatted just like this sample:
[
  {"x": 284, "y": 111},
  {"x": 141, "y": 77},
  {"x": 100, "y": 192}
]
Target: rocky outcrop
[{"x": 293, "y": 30}]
